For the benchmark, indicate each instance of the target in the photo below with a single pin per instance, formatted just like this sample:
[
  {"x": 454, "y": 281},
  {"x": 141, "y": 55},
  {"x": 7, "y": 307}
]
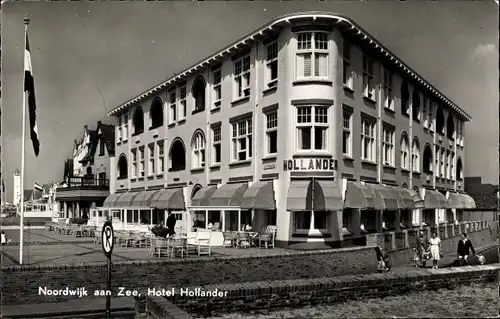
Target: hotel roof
[{"x": 344, "y": 23}]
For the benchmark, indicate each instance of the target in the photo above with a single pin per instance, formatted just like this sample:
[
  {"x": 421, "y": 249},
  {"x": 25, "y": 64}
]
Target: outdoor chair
[
  {"x": 202, "y": 243},
  {"x": 229, "y": 239},
  {"x": 159, "y": 246},
  {"x": 178, "y": 246},
  {"x": 138, "y": 240},
  {"x": 243, "y": 240},
  {"x": 266, "y": 238},
  {"x": 98, "y": 237},
  {"x": 127, "y": 239}
]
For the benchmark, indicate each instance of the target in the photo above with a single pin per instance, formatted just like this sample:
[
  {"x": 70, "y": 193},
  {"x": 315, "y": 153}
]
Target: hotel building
[{"x": 308, "y": 123}]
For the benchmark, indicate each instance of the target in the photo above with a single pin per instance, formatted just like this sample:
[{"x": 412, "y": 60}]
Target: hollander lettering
[
  {"x": 310, "y": 164},
  {"x": 78, "y": 292},
  {"x": 186, "y": 292}
]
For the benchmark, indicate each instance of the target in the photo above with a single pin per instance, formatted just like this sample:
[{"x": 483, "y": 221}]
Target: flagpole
[{"x": 21, "y": 227}]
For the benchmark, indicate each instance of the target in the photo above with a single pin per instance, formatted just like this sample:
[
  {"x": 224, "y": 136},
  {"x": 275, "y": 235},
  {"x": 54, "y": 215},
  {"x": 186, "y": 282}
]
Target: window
[
  {"x": 438, "y": 163},
  {"x": 242, "y": 140},
  {"x": 311, "y": 220},
  {"x": 177, "y": 156},
  {"x": 443, "y": 167},
  {"x": 198, "y": 150},
  {"x": 388, "y": 146},
  {"x": 242, "y": 77},
  {"x": 216, "y": 145},
  {"x": 447, "y": 165},
  {"x": 173, "y": 107},
  {"x": 427, "y": 160},
  {"x": 347, "y": 77},
  {"x": 405, "y": 99},
  {"x": 450, "y": 127},
  {"x": 152, "y": 159},
  {"x": 122, "y": 167},
  {"x": 459, "y": 169},
  {"x": 431, "y": 116},
  {"x": 217, "y": 86},
  {"x": 119, "y": 134},
  {"x": 425, "y": 112},
  {"x": 405, "y": 152},
  {"x": 182, "y": 103},
  {"x": 388, "y": 98},
  {"x": 440, "y": 121},
  {"x": 134, "y": 163},
  {"x": 138, "y": 121},
  {"x": 416, "y": 105},
  {"x": 415, "y": 156},
  {"x": 141, "y": 162},
  {"x": 199, "y": 94},
  {"x": 368, "y": 83},
  {"x": 312, "y": 128},
  {"x": 161, "y": 163},
  {"x": 125, "y": 127},
  {"x": 272, "y": 63},
  {"x": 347, "y": 134},
  {"x": 452, "y": 166},
  {"x": 368, "y": 152},
  {"x": 272, "y": 133},
  {"x": 312, "y": 55},
  {"x": 156, "y": 113}
]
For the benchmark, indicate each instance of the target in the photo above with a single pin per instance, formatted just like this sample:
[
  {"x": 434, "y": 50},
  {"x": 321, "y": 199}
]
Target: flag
[
  {"x": 37, "y": 187},
  {"x": 29, "y": 90}
]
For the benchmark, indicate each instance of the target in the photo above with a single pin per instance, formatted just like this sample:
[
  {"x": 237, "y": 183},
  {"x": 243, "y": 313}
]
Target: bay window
[
  {"x": 242, "y": 77},
  {"x": 312, "y": 55},
  {"x": 312, "y": 128},
  {"x": 242, "y": 140},
  {"x": 307, "y": 221},
  {"x": 368, "y": 152}
]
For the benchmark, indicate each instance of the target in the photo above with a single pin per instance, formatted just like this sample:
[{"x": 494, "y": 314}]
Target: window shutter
[{"x": 307, "y": 65}]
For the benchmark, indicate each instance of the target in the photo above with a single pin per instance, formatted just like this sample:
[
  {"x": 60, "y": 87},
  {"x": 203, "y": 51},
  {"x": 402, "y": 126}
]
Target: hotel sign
[{"x": 310, "y": 164}]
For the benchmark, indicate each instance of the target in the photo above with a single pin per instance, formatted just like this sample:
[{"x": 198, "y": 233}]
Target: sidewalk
[{"x": 69, "y": 308}]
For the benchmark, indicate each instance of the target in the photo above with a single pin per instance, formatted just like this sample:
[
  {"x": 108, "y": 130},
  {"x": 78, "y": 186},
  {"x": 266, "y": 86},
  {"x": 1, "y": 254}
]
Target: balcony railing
[{"x": 87, "y": 182}]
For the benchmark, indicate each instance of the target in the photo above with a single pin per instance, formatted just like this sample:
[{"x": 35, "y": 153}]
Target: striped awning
[
  {"x": 454, "y": 201},
  {"x": 299, "y": 196},
  {"x": 126, "y": 199},
  {"x": 468, "y": 202},
  {"x": 327, "y": 196},
  {"x": 228, "y": 195},
  {"x": 170, "y": 198},
  {"x": 389, "y": 195},
  {"x": 259, "y": 196},
  {"x": 143, "y": 199},
  {"x": 111, "y": 200},
  {"x": 362, "y": 196},
  {"x": 202, "y": 196},
  {"x": 434, "y": 199},
  {"x": 405, "y": 198}
]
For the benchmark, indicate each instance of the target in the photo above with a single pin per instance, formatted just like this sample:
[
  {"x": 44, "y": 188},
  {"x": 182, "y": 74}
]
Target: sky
[{"x": 89, "y": 57}]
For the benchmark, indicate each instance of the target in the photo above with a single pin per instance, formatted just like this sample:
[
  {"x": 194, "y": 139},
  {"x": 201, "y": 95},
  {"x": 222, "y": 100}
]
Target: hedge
[{"x": 28, "y": 221}]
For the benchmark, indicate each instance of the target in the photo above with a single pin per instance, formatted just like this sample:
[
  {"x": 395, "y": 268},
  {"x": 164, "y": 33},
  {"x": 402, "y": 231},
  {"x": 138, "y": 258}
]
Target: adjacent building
[
  {"x": 486, "y": 197},
  {"x": 87, "y": 174},
  {"x": 308, "y": 123}
]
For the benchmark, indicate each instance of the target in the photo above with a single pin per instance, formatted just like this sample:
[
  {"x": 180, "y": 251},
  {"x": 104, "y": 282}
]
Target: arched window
[
  {"x": 459, "y": 172},
  {"x": 416, "y": 105},
  {"x": 415, "y": 156},
  {"x": 405, "y": 98},
  {"x": 450, "y": 127},
  {"x": 89, "y": 170},
  {"x": 405, "y": 152},
  {"x": 440, "y": 121},
  {"x": 427, "y": 160},
  {"x": 177, "y": 156},
  {"x": 198, "y": 92},
  {"x": 122, "y": 167},
  {"x": 156, "y": 113},
  {"x": 196, "y": 189},
  {"x": 198, "y": 150},
  {"x": 138, "y": 120}
]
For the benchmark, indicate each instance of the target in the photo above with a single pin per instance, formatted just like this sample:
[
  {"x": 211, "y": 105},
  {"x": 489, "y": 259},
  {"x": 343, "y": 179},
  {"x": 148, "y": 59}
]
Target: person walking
[
  {"x": 383, "y": 260},
  {"x": 435, "y": 249},
  {"x": 464, "y": 249},
  {"x": 171, "y": 220}
]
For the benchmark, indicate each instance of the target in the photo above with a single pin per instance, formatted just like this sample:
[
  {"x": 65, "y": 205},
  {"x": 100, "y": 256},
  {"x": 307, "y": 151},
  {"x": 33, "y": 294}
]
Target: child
[{"x": 4, "y": 239}]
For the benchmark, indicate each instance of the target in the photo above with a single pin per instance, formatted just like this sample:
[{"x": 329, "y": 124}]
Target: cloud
[{"x": 484, "y": 50}]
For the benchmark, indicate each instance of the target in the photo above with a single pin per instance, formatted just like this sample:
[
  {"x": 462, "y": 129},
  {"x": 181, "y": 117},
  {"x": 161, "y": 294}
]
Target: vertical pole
[
  {"x": 108, "y": 297},
  {"x": 23, "y": 134}
]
